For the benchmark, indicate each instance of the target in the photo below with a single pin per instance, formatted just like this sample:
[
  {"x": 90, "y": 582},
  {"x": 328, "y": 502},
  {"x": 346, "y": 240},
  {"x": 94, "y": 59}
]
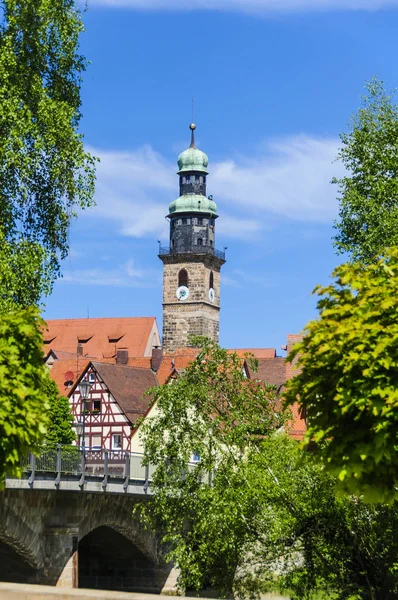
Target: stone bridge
[{"x": 60, "y": 529}]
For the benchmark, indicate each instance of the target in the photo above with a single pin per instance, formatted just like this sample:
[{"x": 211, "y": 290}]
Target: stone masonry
[
  {"x": 59, "y": 537},
  {"x": 197, "y": 315}
]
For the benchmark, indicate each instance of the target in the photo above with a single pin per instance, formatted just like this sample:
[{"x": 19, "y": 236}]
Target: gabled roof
[
  {"x": 270, "y": 370},
  {"x": 60, "y": 369},
  {"x": 128, "y": 386},
  {"x": 101, "y": 337}
]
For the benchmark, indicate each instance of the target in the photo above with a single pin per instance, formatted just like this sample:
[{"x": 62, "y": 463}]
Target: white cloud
[
  {"x": 291, "y": 179},
  {"x": 283, "y": 180},
  {"x": 249, "y": 6},
  {"x": 127, "y": 275}
]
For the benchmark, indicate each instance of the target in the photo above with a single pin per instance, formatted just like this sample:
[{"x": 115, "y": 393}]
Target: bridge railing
[{"x": 102, "y": 465}]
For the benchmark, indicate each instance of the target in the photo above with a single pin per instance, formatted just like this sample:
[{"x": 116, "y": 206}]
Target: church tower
[{"x": 191, "y": 264}]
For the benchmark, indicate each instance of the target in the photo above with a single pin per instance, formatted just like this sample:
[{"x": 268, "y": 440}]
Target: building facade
[
  {"x": 191, "y": 263},
  {"x": 116, "y": 401}
]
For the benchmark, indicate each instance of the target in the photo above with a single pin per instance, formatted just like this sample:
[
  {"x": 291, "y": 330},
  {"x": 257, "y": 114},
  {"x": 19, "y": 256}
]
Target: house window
[
  {"x": 195, "y": 457},
  {"x": 97, "y": 405},
  {"x": 183, "y": 278},
  {"x": 91, "y": 377},
  {"x": 117, "y": 441},
  {"x": 87, "y": 405}
]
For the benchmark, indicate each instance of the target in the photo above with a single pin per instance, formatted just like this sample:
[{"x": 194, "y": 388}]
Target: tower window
[
  {"x": 200, "y": 221},
  {"x": 211, "y": 281},
  {"x": 183, "y": 278},
  {"x": 200, "y": 242},
  {"x": 211, "y": 242},
  {"x": 184, "y": 221},
  {"x": 179, "y": 221}
]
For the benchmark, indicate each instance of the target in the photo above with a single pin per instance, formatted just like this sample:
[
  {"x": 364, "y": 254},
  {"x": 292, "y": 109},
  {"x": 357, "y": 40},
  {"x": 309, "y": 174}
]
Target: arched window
[
  {"x": 200, "y": 242},
  {"x": 183, "y": 278},
  {"x": 211, "y": 282}
]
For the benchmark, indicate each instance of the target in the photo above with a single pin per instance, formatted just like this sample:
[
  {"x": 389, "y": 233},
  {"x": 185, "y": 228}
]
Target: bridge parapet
[{"x": 72, "y": 468}]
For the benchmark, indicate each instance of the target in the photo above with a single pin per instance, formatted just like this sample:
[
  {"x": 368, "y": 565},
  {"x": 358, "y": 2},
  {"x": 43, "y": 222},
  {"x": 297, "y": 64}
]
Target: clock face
[
  {"x": 182, "y": 292},
  {"x": 211, "y": 295}
]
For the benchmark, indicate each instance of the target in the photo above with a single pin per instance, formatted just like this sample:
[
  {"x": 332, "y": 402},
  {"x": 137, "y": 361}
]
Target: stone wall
[
  {"x": 197, "y": 315},
  {"x": 47, "y": 536}
]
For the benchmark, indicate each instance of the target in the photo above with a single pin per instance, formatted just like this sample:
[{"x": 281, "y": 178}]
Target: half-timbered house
[{"x": 116, "y": 401}]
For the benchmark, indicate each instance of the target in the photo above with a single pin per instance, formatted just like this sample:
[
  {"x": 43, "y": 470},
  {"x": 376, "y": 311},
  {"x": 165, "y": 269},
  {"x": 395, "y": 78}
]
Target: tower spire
[{"x": 192, "y": 127}]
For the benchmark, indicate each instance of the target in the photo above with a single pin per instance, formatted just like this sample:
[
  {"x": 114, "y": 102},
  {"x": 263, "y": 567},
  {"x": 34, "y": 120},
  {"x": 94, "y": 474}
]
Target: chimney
[
  {"x": 79, "y": 351},
  {"x": 157, "y": 355},
  {"x": 122, "y": 356}
]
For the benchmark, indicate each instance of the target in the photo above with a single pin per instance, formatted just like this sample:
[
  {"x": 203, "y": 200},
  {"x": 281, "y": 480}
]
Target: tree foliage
[
  {"x": 369, "y": 191},
  {"x": 60, "y": 430},
  {"x": 45, "y": 173},
  {"x": 347, "y": 384},
  {"x": 24, "y": 405},
  {"x": 214, "y": 412},
  {"x": 256, "y": 513}
]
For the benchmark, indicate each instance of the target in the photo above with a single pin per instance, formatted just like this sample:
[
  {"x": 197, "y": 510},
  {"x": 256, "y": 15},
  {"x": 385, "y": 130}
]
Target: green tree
[
  {"x": 347, "y": 384},
  {"x": 60, "y": 430},
  {"x": 24, "y": 406},
  {"x": 213, "y": 412},
  {"x": 45, "y": 173},
  {"x": 368, "y": 193}
]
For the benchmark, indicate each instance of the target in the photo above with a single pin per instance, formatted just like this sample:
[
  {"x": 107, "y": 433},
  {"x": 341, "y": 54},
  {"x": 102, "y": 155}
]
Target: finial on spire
[{"x": 192, "y": 127}]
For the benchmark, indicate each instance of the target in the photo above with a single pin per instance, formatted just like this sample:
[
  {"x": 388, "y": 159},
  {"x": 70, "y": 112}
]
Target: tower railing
[{"x": 167, "y": 250}]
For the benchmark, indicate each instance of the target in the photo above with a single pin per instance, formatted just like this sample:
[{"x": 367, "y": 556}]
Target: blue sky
[{"x": 274, "y": 82}]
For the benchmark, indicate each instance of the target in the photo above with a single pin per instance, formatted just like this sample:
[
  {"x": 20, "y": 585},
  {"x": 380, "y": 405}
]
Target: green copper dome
[
  {"x": 193, "y": 203},
  {"x": 192, "y": 159}
]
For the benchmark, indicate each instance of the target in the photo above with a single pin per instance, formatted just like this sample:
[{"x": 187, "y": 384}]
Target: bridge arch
[
  {"x": 18, "y": 542},
  {"x": 110, "y": 560},
  {"x": 17, "y": 563}
]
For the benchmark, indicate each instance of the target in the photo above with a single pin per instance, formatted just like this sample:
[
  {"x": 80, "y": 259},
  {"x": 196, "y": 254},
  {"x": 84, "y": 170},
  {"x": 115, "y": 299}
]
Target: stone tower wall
[{"x": 197, "y": 315}]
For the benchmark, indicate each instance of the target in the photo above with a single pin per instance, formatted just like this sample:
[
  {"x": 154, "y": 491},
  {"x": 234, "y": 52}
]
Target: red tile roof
[
  {"x": 257, "y": 352},
  {"x": 173, "y": 364},
  {"x": 100, "y": 337},
  {"x": 297, "y": 427},
  {"x": 270, "y": 370},
  {"x": 61, "y": 368}
]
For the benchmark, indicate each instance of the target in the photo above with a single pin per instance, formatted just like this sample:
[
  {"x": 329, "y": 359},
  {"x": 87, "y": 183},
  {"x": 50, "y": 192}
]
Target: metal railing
[
  {"x": 166, "y": 250},
  {"x": 83, "y": 466},
  {"x": 86, "y": 465}
]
